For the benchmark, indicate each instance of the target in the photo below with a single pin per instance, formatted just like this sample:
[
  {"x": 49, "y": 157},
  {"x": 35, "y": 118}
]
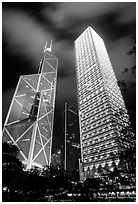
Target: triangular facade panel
[
  {"x": 29, "y": 123},
  {"x": 48, "y": 68},
  {"x": 48, "y": 56},
  {"x": 44, "y": 84},
  {"x": 44, "y": 127},
  {"x": 22, "y": 157},
  {"x": 18, "y": 129},
  {"x": 24, "y": 87},
  {"x": 50, "y": 117},
  {"x": 49, "y": 108},
  {"x": 37, "y": 149},
  {"x": 44, "y": 139},
  {"x": 38, "y": 138},
  {"x": 48, "y": 97},
  {"x": 52, "y": 62},
  {"x": 15, "y": 113},
  {"x": 47, "y": 150},
  {"x": 42, "y": 110},
  {"x": 6, "y": 137},
  {"x": 40, "y": 159},
  {"x": 32, "y": 80},
  {"x": 51, "y": 77},
  {"x": 24, "y": 142},
  {"x": 21, "y": 99}
]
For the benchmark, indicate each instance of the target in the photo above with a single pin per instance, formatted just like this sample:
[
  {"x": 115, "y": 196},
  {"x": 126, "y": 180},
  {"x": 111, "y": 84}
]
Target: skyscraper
[
  {"x": 71, "y": 148},
  {"x": 100, "y": 103},
  {"x": 56, "y": 158},
  {"x": 29, "y": 122}
]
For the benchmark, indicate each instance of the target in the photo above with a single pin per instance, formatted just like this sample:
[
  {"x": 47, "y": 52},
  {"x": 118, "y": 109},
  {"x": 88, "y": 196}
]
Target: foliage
[
  {"x": 91, "y": 185},
  {"x": 11, "y": 171},
  {"x": 38, "y": 184},
  {"x": 31, "y": 185},
  {"x": 127, "y": 155},
  {"x": 123, "y": 84}
]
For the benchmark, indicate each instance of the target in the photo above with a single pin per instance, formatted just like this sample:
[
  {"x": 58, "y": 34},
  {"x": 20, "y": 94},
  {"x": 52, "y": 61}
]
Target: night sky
[{"x": 27, "y": 26}]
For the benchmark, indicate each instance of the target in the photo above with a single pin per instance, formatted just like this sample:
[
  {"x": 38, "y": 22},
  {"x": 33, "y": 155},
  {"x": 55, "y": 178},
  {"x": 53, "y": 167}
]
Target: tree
[
  {"x": 131, "y": 52},
  {"x": 91, "y": 185},
  {"x": 129, "y": 86},
  {"x": 127, "y": 155},
  {"x": 121, "y": 174},
  {"x": 12, "y": 169}
]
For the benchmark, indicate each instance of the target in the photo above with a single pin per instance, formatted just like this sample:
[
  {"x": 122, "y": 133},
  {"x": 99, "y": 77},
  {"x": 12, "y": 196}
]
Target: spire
[
  {"x": 45, "y": 50},
  {"x": 45, "y": 47},
  {"x": 49, "y": 48}
]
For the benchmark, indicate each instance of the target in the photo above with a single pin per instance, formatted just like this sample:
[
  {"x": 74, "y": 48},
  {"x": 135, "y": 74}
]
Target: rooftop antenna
[
  {"x": 42, "y": 60},
  {"x": 45, "y": 47},
  {"x": 45, "y": 50},
  {"x": 49, "y": 48}
]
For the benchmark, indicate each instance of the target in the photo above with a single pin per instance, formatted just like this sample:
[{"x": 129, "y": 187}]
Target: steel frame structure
[{"x": 29, "y": 122}]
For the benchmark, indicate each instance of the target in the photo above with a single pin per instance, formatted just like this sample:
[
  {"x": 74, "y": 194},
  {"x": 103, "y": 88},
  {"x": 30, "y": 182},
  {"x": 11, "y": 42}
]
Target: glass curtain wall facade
[
  {"x": 99, "y": 103},
  {"x": 71, "y": 148},
  {"x": 29, "y": 122}
]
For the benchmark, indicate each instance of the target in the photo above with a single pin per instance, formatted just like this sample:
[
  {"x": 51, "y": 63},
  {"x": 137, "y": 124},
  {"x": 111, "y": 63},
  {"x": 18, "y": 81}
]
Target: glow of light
[{"x": 5, "y": 188}]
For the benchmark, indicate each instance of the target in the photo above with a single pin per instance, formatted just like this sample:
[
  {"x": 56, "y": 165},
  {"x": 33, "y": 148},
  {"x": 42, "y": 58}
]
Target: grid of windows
[{"x": 99, "y": 99}]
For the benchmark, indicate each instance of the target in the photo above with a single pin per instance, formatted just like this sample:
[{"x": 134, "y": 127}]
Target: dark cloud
[
  {"x": 26, "y": 27},
  {"x": 23, "y": 34},
  {"x": 65, "y": 13},
  {"x": 110, "y": 27},
  {"x": 6, "y": 100}
]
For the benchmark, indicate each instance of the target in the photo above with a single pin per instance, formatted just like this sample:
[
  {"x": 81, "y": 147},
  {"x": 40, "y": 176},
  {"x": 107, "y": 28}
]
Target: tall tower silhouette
[
  {"x": 29, "y": 122},
  {"x": 100, "y": 102}
]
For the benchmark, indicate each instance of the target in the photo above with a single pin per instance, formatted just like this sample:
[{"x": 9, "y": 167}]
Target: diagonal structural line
[
  {"x": 29, "y": 84},
  {"x": 43, "y": 145},
  {"x": 20, "y": 95},
  {"x": 40, "y": 133},
  {"x": 3, "y": 130},
  {"x": 12, "y": 122},
  {"x": 21, "y": 152},
  {"x": 38, "y": 129},
  {"x": 50, "y": 95},
  {"x": 45, "y": 110},
  {"x": 24, "y": 133},
  {"x": 46, "y": 58},
  {"x": 44, "y": 115},
  {"x": 18, "y": 102},
  {"x": 41, "y": 149},
  {"x": 9, "y": 135},
  {"x": 21, "y": 105},
  {"x": 53, "y": 106},
  {"x": 48, "y": 118},
  {"x": 45, "y": 129},
  {"x": 49, "y": 123},
  {"x": 44, "y": 137},
  {"x": 38, "y": 142},
  {"x": 50, "y": 65},
  {"x": 49, "y": 89},
  {"x": 29, "y": 75},
  {"x": 54, "y": 72},
  {"x": 15, "y": 143},
  {"x": 47, "y": 80},
  {"x": 53, "y": 57},
  {"x": 40, "y": 102},
  {"x": 11, "y": 105}
]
